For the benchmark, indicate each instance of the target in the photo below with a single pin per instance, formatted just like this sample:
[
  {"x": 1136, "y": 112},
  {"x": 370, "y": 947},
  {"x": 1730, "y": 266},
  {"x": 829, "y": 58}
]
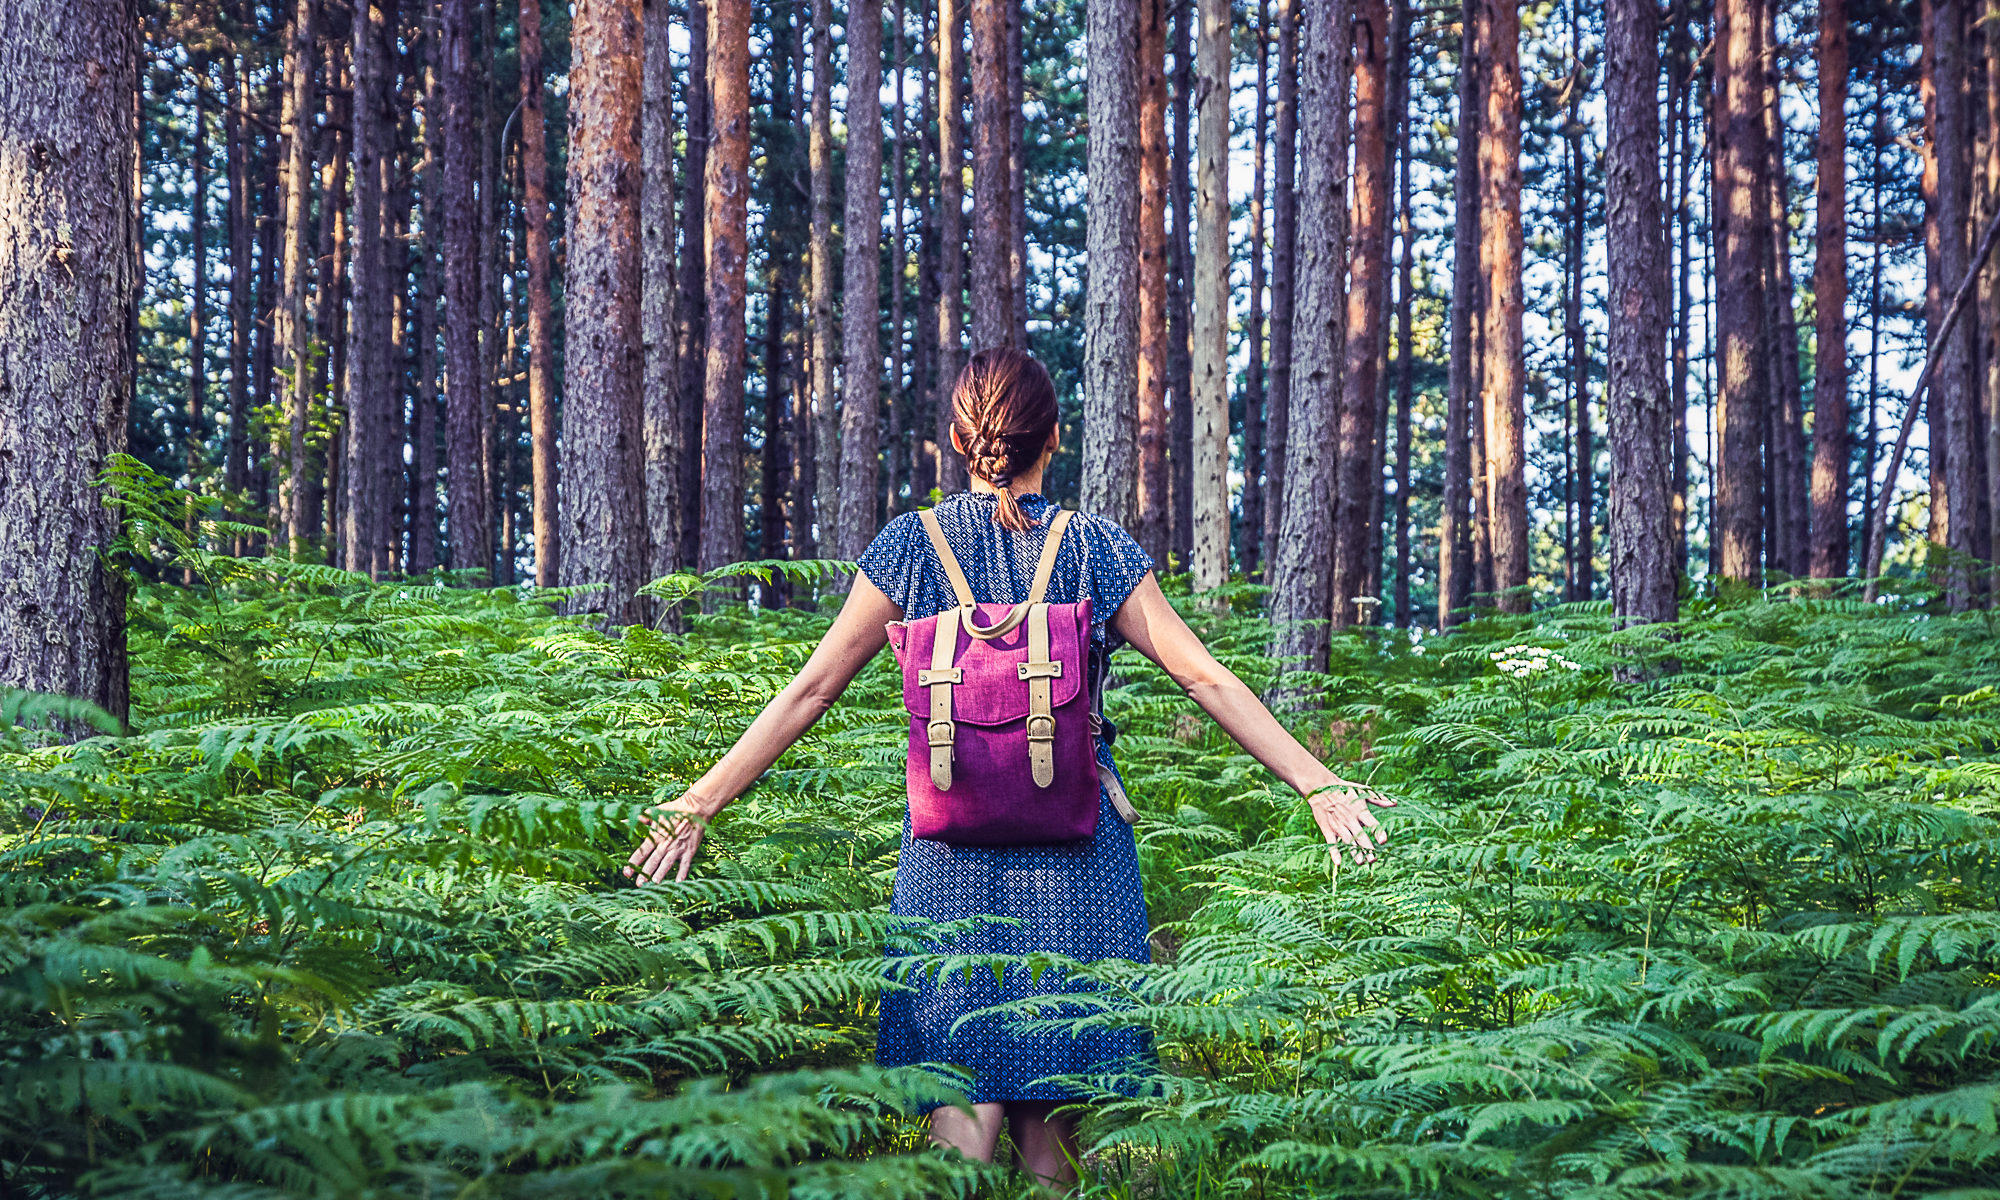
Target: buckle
[
  {"x": 945, "y": 738},
  {"x": 1042, "y": 727},
  {"x": 1039, "y": 670},
  {"x": 927, "y": 677}
]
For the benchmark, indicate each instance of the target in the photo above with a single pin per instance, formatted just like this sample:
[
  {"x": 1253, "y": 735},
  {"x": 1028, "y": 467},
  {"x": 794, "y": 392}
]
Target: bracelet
[{"x": 1328, "y": 787}]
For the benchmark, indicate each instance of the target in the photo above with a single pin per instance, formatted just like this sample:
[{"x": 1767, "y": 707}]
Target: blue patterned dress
[{"x": 1080, "y": 899}]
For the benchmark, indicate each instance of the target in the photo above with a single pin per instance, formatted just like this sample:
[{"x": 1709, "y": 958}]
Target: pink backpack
[{"x": 1001, "y": 720}]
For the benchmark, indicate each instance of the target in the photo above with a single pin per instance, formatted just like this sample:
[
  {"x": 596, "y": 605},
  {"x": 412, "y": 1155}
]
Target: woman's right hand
[
  {"x": 669, "y": 850},
  {"x": 1341, "y": 809}
]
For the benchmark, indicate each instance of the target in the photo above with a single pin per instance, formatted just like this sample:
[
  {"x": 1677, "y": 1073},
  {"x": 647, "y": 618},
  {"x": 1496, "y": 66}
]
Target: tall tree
[
  {"x": 1300, "y": 583},
  {"x": 68, "y": 250},
  {"x": 1786, "y": 489},
  {"x": 1254, "y": 327},
  {"x": 1989, "y": 297},
  {"x": 1356, "y": 481},
  {"x": 468, "y": 520},
  {"x": 239, "y": 146},
  {"x": 192, "y": 433},
  {"x": 992, "y": 174},
  {"x": 1500, "y": 244},
  {"x": 1955, "y": 438},
  {"x": 1180, "y": 290},
  {"x": 1741, "y": 230},
  {"x": 1405, "y": 341},
  {"x": 1210, "y": 466},
  {"x": 1155, "y": 514},
  {"x": 1284, "y": 272},
  {"x": 603, "y": 445},
  {"x": 1644, "y": 571},
  {"x": 541, "y": 322},
  {"x": 1455, "y": 527},
  {"x": 1110, "y": 484},
  {"x": 951, "y": 233},
  {"x": 826, "y": 440},
  {"x": 1580, "y": 581},
  {"x": 1017, "y": 163},
  {"x": 691, "y": 306},
  {"x": 430, "y": 285},
  {"x": 1830, "y": 442},
  {"x": 728, "y": 210},
  {"x": 372, "y": 377},
  {"x": 293, "y": 333},
  {"x": 861, "y": 279}
]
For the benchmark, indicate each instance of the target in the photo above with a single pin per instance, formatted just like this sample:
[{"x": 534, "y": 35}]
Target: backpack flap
[{"x": 994, "y": 689}]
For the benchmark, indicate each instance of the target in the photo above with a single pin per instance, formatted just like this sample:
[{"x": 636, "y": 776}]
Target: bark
[
  {"x": 1639, "y": 407},
  {"x": 423, "y": 414},
  {"x": 1284, "y": 273},
  {"x": 1357, "y": 482},
  {"x": 264, "y": 355},
  {"x": 1501, "y": 361},
  {"x": 603, "y": 445},
  {"x": 541, "y": 321},
  {"x": 321, "y": 494},
  {"x": 861, "y": 280},
  {"x": 826, "y": 442},
  {"x": 242, "y": 275},
  {"x": 1786, "y": 492},
  {"x": 899, "y": 266},
  {"x": 1300, "y": 583},
  {"x": 1990, "y": 293},
  {"x": 1405, "y": 342},
  {"x": 293, "y": 335},
  {"x": 373, "y": 458},
  {"x": 68, "y": 250},
  {"x": 1210, "y": 437},
  {"x": 191, "y": 434},
  {"x": 1017, "y": 163},
  {"x": 468, "y": 521},
  {"x": 1254, "y": 328},
  {"x": 1956, "y": 437},
  {"x": 992, "y": 175},
  {"x": 727, "y": 206},
  {"x": 691, "y": 307},
  {"x": 1455, "y": 528},
  {"x": 1830, "y": 441},
  {"x": 1180, "y": 293},
  {"x": 1155, "y": 497},
  {"x": 1110, "y": 484},
  {"x": 1682, "y": 95},
  {"x": 1740, "y": 232},
  {"x": 951, "y": 234}
]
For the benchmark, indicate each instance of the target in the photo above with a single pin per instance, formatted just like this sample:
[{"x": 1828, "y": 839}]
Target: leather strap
[
  {"x": 962, "y": 588},
  {"x": 940, "y": 732},
  {"x": 1041, "y": 717}
]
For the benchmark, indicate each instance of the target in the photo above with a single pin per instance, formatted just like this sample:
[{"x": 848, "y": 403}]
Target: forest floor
[{"x": 342, "y": 915}]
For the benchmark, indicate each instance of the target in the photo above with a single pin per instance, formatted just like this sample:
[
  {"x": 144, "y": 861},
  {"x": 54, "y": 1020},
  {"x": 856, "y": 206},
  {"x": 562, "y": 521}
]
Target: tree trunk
[
  {"x": 242, "y": 275},
  {"x": 1682, "y": 98},
  {"x": 1252, "y": 534},
  {"x": 1501, "y": 361},
  {"x": 1017, "y": 162},
  {"x": 1989, "y": 299},
  {"x": 1787, "y": 491},
  {"x": 68, "y": 251},
  {"x": 321, "y": 495},
  {"x": 423, "y": 414},
  {"x": 603, "y": 445},
  {"x": 992, "y": 174},
  {"x": 541, "y": 322},
  {"x": 1209, "y": 496},
  {"x": 1180, "y": 292},
  {"x": 468, "y": 524},
  {"x": 691, "y": 307},
  {"x": 1284, "y": 273},
  {"x": 1155, "y": 495},
  {"x": 293, "y": 334},
  {"x": 1455, "y": 527},
  {"x": 899, "y": 266},
  {"x": 191, "y": 434},
  {"x": 728, "y": 197},
  {"x": 1741, "y": 230},
  {"x": 1110, "y": 484},
  {"x": 861, "y": 277},
  {"x": 951, "y": 234},
  {"x": 826, "y": 440},
  {"x": 1830, "y": 443},
  {"x": 1356, "y": 480},
  {"x": 1954, "y": 438},
  {"x": 372, "y": 390},
  {"x": 1300, "y": 585},
  {"x": 1405, "y": 340},
  {"x": 1638, "y": 406}
]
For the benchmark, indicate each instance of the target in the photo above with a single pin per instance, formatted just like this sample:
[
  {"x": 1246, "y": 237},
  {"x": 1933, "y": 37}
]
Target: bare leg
[
  {"x": 975, "y": 1136},
  {"x": 1046, "y": 1144}
]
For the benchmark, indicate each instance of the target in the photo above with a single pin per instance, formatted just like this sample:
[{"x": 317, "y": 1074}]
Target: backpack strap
[
  {"x": 940, "y": 732},
  {"x": 1038, "y": 670},
  {"x": 961, "y": 588}
]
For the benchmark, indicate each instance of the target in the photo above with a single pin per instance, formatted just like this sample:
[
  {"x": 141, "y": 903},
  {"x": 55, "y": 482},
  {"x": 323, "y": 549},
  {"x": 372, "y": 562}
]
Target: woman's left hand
[
  {"x": 677, "y": 829},
  {"x": 1341, "y": 809}
]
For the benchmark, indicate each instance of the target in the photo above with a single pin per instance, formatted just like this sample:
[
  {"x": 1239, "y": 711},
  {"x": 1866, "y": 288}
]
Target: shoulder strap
[
  {"x": 962, "y": 588},
  {"x": 952, "y": 571},
  {"x": 1047, "y": 565}
]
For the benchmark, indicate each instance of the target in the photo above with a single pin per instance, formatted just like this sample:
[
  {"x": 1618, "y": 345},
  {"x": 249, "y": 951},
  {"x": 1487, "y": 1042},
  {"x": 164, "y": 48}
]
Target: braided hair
[{"x": 1003, "y": 410}]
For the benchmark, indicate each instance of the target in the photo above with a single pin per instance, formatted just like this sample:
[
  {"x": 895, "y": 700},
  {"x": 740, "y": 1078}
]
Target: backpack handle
[{"x": 1044, "y": 568}]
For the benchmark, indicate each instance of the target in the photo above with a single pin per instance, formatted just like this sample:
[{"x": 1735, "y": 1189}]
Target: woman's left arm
[
  {"x": 858, "y": 634},
  {"x": 1155, "y": 630}
]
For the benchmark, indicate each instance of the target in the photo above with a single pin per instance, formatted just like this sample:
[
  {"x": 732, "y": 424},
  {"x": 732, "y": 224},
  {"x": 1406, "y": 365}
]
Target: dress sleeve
[
  {"x": 1115, "y": 564},
  {"x": 895, "y": 561}
]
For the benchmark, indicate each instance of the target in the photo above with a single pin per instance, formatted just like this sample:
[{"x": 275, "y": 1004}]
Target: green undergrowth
[{"x": 340, "y": 913}]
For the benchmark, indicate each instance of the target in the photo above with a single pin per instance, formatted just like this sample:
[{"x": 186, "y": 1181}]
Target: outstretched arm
[
  {"x": 1155, "y": 630},
  {"x": 857, "y": 636}
]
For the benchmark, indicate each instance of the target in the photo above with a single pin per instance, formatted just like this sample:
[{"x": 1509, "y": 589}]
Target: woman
[{"x": 1082, "y": 898}]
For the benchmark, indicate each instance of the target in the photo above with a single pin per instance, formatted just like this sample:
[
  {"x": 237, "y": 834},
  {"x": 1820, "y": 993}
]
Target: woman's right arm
[{"x": 1155, "y": 630}]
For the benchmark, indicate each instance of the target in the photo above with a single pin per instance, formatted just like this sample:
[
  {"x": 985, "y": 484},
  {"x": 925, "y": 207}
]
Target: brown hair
[{"x": 1003, "y": 410}]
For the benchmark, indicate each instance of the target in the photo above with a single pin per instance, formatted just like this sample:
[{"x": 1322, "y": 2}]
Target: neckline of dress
[{"x": 1024, "y": 499}]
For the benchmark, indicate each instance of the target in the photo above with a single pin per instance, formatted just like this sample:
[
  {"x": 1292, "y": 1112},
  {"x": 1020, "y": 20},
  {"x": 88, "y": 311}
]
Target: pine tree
[
  {"x": 1155, "y": 492},
  {"x": 1456, "y": 529},
  {"x": 1740, "y": 232},
  {"x": 726, "y": 204},
  {"x": 992, "y": 296},
  {"x": 1110, "y": 483},
  {"x": 1830, "y": 415},
  {"x": 1209, "y": 466},
  {"x": 541, "y": 305},
  {"x": 861, "y": 284},
  {"x": 951, "y": 234},
  {"x": 1500, "y": 261}
]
